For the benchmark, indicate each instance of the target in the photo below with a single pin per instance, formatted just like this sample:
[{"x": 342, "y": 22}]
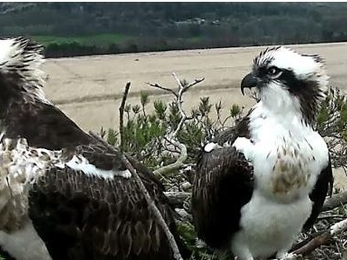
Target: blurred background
[{"x": 70, "y": 29}]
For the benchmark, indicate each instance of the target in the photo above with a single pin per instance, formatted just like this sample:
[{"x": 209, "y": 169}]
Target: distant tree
[{"x": 177, "y": 24}]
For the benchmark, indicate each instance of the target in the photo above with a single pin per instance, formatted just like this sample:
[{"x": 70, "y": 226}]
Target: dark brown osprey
[
  {"x": 63, "y": 194},
  {"x": 258, "y": 184}
]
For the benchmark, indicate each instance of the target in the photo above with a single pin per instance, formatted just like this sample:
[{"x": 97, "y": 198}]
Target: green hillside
[{"x": 90, "y": 28}]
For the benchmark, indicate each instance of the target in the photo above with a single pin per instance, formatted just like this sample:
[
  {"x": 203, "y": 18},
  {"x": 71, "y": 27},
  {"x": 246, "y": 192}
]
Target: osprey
[
  {"x": 64, "y": 194},
  {"x": 259, "y": 183}
]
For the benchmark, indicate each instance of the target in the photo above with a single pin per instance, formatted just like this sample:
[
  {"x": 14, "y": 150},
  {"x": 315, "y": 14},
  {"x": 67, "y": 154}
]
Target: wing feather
[
  {"x": 99, "y": 220},
  {"x": 231, "y": 134},
  {"x": 322, "y": 188},
  {"x": 223, "y": 184}
]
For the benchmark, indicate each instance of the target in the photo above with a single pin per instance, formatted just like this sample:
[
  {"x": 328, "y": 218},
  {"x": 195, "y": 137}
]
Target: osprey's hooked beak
[{"x": 249, "y": 81}]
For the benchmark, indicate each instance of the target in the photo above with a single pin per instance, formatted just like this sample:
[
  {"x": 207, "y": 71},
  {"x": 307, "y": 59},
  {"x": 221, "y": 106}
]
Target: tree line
[{"x": 170, "y": 26}]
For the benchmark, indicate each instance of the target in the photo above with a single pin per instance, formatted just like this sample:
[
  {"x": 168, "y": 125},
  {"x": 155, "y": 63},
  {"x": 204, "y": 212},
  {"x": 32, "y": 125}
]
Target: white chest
[
  {"x": 288, "y": 169},
  {"x": 286, "y": 158}
]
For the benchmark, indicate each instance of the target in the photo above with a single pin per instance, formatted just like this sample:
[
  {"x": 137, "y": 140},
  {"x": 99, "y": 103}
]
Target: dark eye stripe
[
  {"x": 289, "y": 79},
  {"x": 261, "y": 71}
]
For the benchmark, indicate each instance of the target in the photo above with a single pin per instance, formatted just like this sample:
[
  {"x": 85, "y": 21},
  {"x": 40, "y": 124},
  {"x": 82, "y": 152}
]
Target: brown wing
[
  {"x": 105, "y": 158},
  {"x": 322, "y": 188},
  {"x": 43, "y": 125},
  {"x": 230, "y": 134},
  {"x": 223, "y": 184},
  {"x": 98, "y": 154},
  {"x": 85, "y": 217}
]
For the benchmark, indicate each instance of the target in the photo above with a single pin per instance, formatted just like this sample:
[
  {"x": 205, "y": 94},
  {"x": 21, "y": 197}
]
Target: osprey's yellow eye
[{"x": 274, "y": 72}]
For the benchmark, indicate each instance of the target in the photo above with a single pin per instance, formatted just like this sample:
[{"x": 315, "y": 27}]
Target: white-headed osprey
[
  {"x": 63, "y": 194},
  {"x": 258, "y": 184}
]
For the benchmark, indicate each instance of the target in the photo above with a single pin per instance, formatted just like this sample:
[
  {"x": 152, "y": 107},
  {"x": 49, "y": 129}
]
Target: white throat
[{"x": 278, "y": 102}]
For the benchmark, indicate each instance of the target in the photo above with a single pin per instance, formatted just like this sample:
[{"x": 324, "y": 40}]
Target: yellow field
[{"x": 89, "y": 89}]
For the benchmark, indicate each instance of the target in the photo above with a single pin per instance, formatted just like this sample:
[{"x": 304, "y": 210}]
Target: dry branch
[
  {"x": 154, "y": 209},
  {"x": 121, "y": 115},
  {"x": 142, "y": 187},
  {"x": 148, "y": 198},
  {"x": 177, "y": 164},
  {"x": 335, "y": 201},
  {"x": 172, "y": 137},
  {"x": 177, "y": 198},
  {"x": 322, "y": 238},
  {"x": 156, "y": 85},
  {"x": 138, "y": 180},
  {"x": 184, "y": 88},
  {"x": 181, "y": 90}
]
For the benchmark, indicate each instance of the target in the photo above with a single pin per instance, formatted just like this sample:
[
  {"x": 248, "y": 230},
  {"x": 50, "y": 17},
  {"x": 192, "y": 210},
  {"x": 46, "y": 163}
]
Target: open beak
[{"x": 249, "y": 81}]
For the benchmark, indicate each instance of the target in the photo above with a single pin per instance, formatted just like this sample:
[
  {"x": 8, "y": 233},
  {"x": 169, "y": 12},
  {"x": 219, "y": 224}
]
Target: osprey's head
[
  {"x": 288, "y": 82},
  {"x": 20, "y": 73}
]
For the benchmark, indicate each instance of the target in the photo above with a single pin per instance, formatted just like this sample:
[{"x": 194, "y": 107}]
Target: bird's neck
[
  {"x": 274, "y": 120},
  {"x": 279, "y": 103}
]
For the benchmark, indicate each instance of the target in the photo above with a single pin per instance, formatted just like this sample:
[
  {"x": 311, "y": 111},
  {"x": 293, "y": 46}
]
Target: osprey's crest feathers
[
  {"x": 294, "y": 82},
  {"x": 20, "y": 67}
]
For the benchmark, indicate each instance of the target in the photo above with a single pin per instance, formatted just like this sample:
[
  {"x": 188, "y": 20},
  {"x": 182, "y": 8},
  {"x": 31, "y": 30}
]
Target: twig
[
  {"x": 335, "y": 201},
  {"x": 181, "y": 90},
  {"x": 156, "y": 85},
  {"x": 172, "y": 137},
  {"x": 188, "y": 86},
  {"x": 332, "y": 216},
  {"x": 177, "y": 198},
  {"x": 177, "y": 164},
  {"x": 148, "y": 198},
  {"x": 154, "y": 209},
  {"x": 121, "y": 115},
  {"x": 322, "y": 238}
]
